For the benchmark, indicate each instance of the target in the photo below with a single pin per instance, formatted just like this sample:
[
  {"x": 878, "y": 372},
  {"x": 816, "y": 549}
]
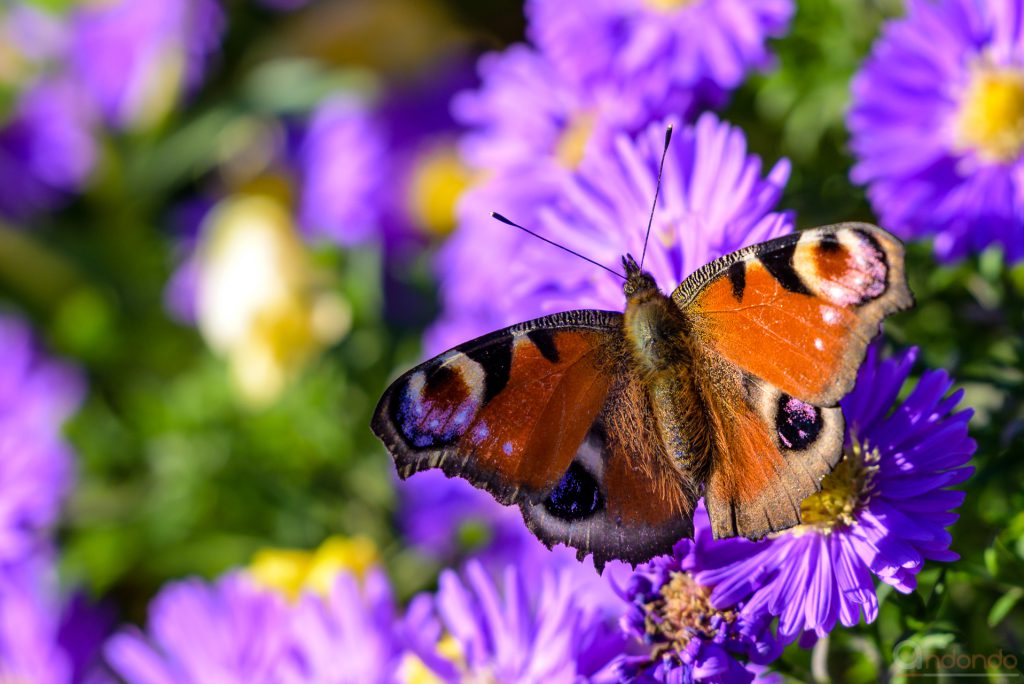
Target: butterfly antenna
[
  {"x": 657, "y": 189},
  {"x": 499, "y": 217}
]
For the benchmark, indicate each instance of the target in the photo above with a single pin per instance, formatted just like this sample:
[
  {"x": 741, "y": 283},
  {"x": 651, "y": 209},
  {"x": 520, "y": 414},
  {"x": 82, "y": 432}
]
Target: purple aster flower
[
  {"x": 228, "y": 631},
  {"x": 42, "y": 641},
  {"x": 351, "y": 636},
  {"x": 883, "y": 511},
  {"x": 706, "y": 46},
  {"x": 437, "y": 513},
  {"x": 342, "y": 163},
  {"x": 137, "y": 58},
  {"x": 36, "y": 396},
  {"x": 526, "y": 632},
  {"x": 682, "y": 637},
  {"x": 47, "y": 149},
  {"x": 936, "y": 125},
  {"x": 713, "y": 200},
  {"x": 562, "y": 122},
  {"x": 441, "y": 517}
]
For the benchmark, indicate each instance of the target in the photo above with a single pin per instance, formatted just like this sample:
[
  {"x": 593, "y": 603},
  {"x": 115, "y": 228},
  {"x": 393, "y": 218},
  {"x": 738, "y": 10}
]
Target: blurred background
[{"x": 226, "y": 216}]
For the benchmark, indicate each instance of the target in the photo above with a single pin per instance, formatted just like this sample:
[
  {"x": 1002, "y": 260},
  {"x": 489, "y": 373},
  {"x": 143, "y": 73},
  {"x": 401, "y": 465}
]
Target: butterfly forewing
[
  {"x": 799, "y": 311},
  {"x": 508, "y": 410}
]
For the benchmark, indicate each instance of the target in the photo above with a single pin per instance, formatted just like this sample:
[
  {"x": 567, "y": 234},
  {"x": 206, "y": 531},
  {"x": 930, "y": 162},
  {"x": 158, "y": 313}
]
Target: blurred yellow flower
[
  {"x": 438, "y": 179},
  {"x": 292, "y": 571},
  {"x": 573, "y": 142},
  {"x": 259, "y": 302},
  {"x": 413, "y": 670}
]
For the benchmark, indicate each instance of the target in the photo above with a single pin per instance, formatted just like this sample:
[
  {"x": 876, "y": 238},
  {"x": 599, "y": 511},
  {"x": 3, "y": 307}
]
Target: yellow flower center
[
  {"x": 991, "y": 116},
  {"x": 573, "y": 141},
  {"x": 292, "y": 571},
  {"x": 668, "y": 5},
  {"x": 843, "y": 492},
  {"x": 438, "y": 180},
  {"x": 682, "y": 610}
]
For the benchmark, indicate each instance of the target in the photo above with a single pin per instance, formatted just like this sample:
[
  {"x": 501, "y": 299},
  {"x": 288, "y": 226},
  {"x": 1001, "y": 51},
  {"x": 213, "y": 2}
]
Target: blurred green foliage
[{"x": 177, "y": 477}]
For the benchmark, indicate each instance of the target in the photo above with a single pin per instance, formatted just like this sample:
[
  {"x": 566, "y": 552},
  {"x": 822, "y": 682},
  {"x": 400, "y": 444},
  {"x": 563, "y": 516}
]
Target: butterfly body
[{"x": 606, "y": 427}]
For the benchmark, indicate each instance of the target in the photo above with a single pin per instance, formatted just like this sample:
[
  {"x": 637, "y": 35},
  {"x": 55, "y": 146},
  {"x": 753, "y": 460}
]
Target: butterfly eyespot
[
  {"x": 576, "y": 496},
  {"x": 434, "y": 408},
  {"x": 798, "y": 423}
]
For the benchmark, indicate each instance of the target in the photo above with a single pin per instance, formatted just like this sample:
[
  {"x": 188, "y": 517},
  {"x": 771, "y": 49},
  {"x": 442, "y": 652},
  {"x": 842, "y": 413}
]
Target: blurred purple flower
[
  {"x": 449, "y": 520},
  {"x": 137, "y": 58},
  {"x": 36, "y": 468},
  {"x": 342, "y": 162},
  {"x": 33, "y": 34},
  {"x": 936, "y": 125},
  {"x": 47, "y": 149},
  {"x": 228, "y": 632},
  {"x": 530, "y": 631},
  {"x": 440, "y": 516},
  {"x": 713, "y": 200},
  {"x": 181, "y": 291},
  {"x": 701, "y": 47},
  {"x": 562, "y": 122},
  {"x": 41, "y": 641},
  {"x": 883, "y": 511},
  {"x": 351, "y": 636},
  {"x": 681, "y": 636}
]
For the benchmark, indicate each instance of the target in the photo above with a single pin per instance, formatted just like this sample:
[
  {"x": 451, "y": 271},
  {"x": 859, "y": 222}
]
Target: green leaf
[{"x": 1003, "y": 605}]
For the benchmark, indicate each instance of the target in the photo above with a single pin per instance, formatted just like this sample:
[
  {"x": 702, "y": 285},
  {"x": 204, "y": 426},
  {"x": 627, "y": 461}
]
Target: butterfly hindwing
[
  {"x": 622, "y": 497},
  {"x": 507, "y": 411},
  {"x": 799, "y": 311},
  {"x": 771, "y": 451}
]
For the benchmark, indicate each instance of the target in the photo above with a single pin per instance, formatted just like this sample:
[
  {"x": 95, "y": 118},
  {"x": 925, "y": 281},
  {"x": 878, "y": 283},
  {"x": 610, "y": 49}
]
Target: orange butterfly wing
[
  {"x": 507, "y": 411},
  {"x": 779, "y": 330},
  {"x": 800, "y": 310},
  {"x": 770, "y": 452},
  {"x": 645, "y": 501}
]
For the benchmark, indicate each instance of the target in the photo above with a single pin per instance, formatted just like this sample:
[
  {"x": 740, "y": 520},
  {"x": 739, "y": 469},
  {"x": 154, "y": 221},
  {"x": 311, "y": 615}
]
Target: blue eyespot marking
[
  {"x": 577, "y": 495},
  {"x": 798, "y": 423},
  {"x": 432, "y": 409}
]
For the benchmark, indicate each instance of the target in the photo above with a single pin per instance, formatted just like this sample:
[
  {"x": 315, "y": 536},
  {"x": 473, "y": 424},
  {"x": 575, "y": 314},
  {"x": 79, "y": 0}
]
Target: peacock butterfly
[{"x": 606, "y": 427}]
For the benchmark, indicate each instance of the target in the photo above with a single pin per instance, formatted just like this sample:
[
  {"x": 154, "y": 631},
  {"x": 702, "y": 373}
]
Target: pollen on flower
[
  {"x": 843, "y": 492},
  {"x": 990, "y": 119},
  {"x": 573, "y": 141},
  {"x": 683, "y": 610}
]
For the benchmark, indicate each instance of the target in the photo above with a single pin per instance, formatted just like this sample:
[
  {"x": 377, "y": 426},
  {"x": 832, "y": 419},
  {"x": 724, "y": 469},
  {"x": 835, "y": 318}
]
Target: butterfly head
[{"x": 637, "y": 281}]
